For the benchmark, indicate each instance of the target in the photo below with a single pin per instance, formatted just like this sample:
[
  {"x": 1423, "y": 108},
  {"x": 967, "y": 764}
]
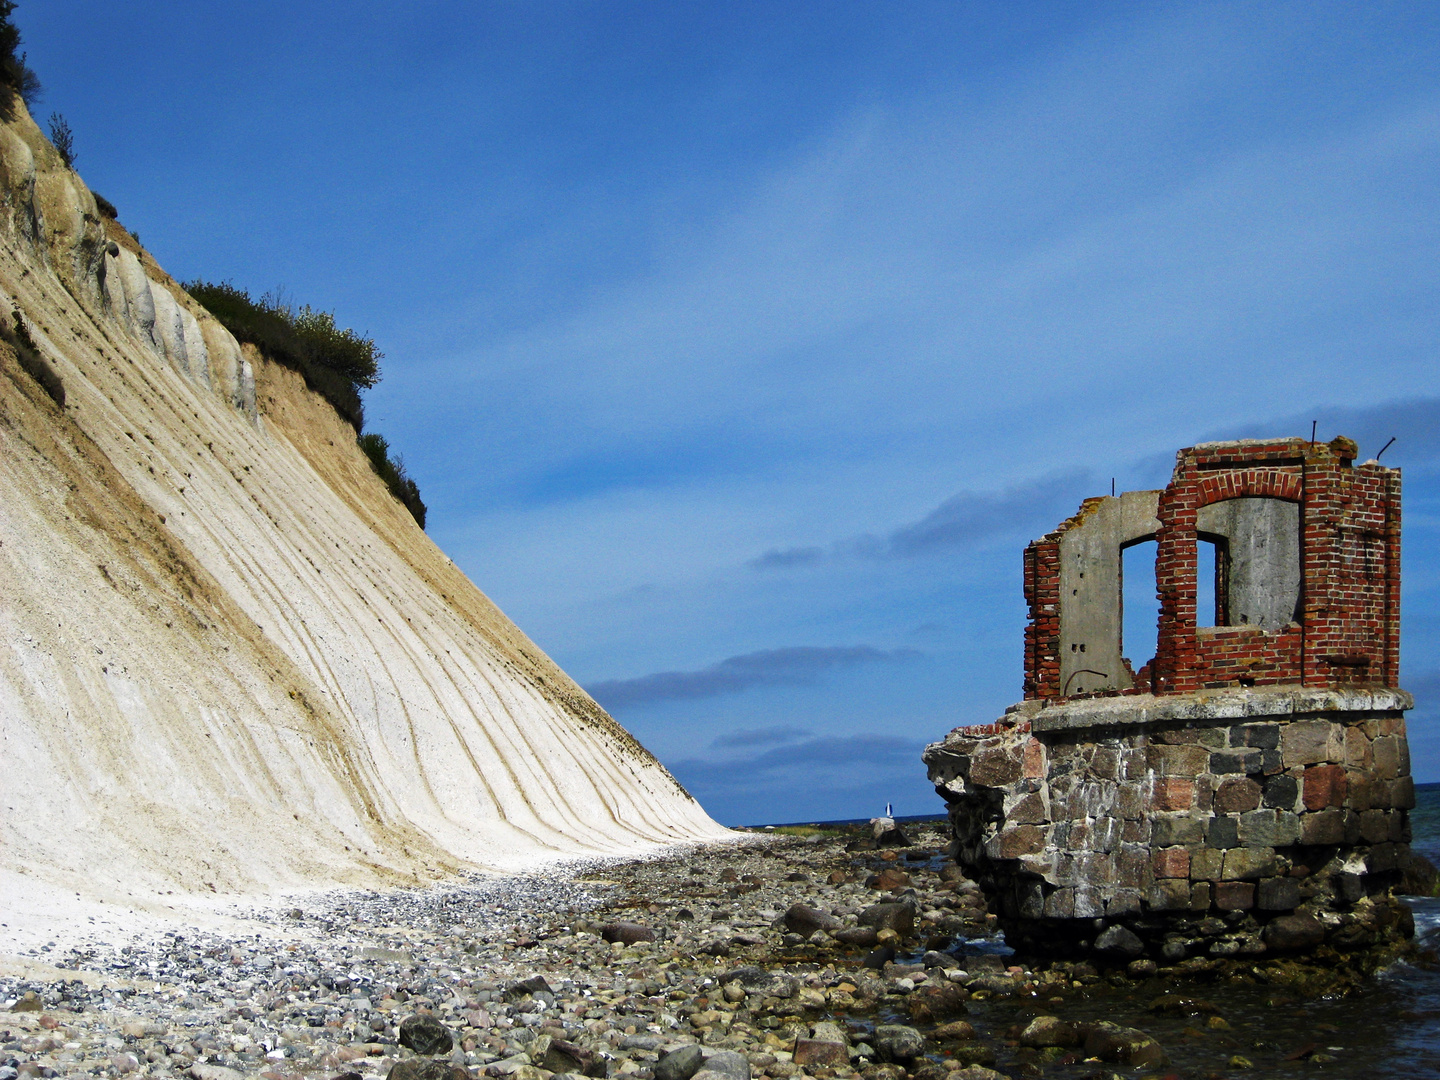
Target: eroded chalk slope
[{"x": 231, "y": 660}]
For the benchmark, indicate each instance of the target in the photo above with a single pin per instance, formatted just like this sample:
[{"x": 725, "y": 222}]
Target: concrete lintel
[{"x": 1219, "y": 705}]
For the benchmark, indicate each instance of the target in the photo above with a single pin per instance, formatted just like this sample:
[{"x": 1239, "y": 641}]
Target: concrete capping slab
[{"x": 1217, "y": 705}]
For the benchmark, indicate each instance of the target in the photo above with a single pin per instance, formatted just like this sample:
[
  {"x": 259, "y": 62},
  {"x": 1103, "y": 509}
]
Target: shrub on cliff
[
  {"x": 336, "y": 363},
  {"x": 392, "y": 471},
  {"x": 63, "y": 139},
  {"x": 15, "y": 75}
]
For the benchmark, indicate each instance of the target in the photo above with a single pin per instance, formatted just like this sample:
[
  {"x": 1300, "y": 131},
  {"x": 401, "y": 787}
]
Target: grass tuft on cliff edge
[
  {"x": 391, "y": 469},
  {"x": 336, "y": 363}
]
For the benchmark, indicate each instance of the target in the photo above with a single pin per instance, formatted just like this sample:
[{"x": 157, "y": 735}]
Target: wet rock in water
[
  {"x": 681, "y": 1063},
  {"x": 934, "y": 1002},
  {"x": 1178, "y": 1004},
  {"x": 1049, "y": 1031},
  {"x": 975, "y": 1072},
  {"x": 425, "y": 1069},
  {"x": 803, "y": 919},
  {"x": 1119, "y": 943},
  {"x": 998, "y": 985},
  {"x": 880, "y": 957},
  {"x": 929, "y": 1070},
  {"x": 1131, "y": 1046},
  {"x": 425, "y": 1035},
  {"x": 955, "y": 1031},
  {"x": 1294, "y": 932},
  {"x": 811, "y": 1052},
  {"x": 627, "y": 933},
  {"x": 862, "y": 937},
  {"x": 973, "y": 1054},
  {"x": 985, "y": 963},
  {"x": 888, "y": 879},
  {"x": 898, "y": 917},
  {"x": 898, "y": 1043},
  {"x": 1418, "y": 876}
]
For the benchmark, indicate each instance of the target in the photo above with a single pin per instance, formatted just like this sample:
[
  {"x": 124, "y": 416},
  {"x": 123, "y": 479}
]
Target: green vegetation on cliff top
[{"x": 337, "y": 364}]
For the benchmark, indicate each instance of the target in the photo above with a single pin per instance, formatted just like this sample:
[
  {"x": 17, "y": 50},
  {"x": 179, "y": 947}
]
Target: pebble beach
[{"x": 775, "y": 955}]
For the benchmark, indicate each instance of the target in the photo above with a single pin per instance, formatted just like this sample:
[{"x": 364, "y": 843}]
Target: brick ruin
[{"x": 1245, "y": 790}]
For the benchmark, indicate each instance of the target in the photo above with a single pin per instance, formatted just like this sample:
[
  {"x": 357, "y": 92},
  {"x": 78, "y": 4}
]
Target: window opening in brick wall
[
  {"x": 1257, "y": 579},
  {"x": 1139, "y": 604},
  {"x": 1212, "y": 565}
]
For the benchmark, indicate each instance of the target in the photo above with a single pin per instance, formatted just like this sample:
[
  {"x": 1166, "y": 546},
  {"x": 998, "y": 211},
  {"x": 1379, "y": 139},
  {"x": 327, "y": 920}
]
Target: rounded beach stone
[{"x": 425, "y": 1035}]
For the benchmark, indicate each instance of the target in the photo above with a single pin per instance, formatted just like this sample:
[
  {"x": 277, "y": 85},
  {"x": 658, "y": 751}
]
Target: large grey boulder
[
  {"x": 802, "y": 919},
  {"x": 1120, "y": 943},
  {"x": 681, "y": 1063},
  {"x": 898, "y": 1043},
  {"x": 726, "y": 1065}
]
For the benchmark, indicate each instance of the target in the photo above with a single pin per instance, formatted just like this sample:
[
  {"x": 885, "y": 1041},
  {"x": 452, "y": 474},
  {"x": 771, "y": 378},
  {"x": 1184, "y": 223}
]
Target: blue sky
[{"x": 739, "y": 348}]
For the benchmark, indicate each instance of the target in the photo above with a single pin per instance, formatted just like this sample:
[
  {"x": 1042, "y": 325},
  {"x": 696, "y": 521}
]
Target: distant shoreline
[{"x": 842, "y": 823}]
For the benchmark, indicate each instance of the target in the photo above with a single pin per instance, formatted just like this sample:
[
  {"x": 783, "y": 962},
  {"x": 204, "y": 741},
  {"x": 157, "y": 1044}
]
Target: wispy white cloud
[
  {"x": 965, "y": 520},
  {"x": 750, "y": 738},
  {"x": 768, "y": 667}
]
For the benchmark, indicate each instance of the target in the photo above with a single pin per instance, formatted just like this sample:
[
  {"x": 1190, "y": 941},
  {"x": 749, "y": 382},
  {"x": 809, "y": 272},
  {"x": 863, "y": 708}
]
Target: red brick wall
[
  {"x": 1042, "y": 633},
  {"x": 1350, "y": 575}
]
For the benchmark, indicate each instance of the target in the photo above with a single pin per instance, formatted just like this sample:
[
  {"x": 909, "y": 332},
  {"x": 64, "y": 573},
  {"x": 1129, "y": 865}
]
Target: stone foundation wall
[{"x": 1229, "y": 822}]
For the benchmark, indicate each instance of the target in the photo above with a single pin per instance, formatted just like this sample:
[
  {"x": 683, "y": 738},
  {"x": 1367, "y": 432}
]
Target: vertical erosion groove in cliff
[{"x": 232, "y": 661}]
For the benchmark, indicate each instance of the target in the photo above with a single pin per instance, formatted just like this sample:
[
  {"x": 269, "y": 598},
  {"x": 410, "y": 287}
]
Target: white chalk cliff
[{"x": 229, "y": 659}]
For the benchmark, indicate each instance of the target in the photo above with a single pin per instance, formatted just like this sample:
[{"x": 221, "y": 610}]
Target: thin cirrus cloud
[
  {"x": 964, "y": 520},
  {"x": 969, "y": 518},
  {"x": 754, "y": 737},
  {"x": 796, "y": 664},
  {"x": 788, "y": 558}
]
